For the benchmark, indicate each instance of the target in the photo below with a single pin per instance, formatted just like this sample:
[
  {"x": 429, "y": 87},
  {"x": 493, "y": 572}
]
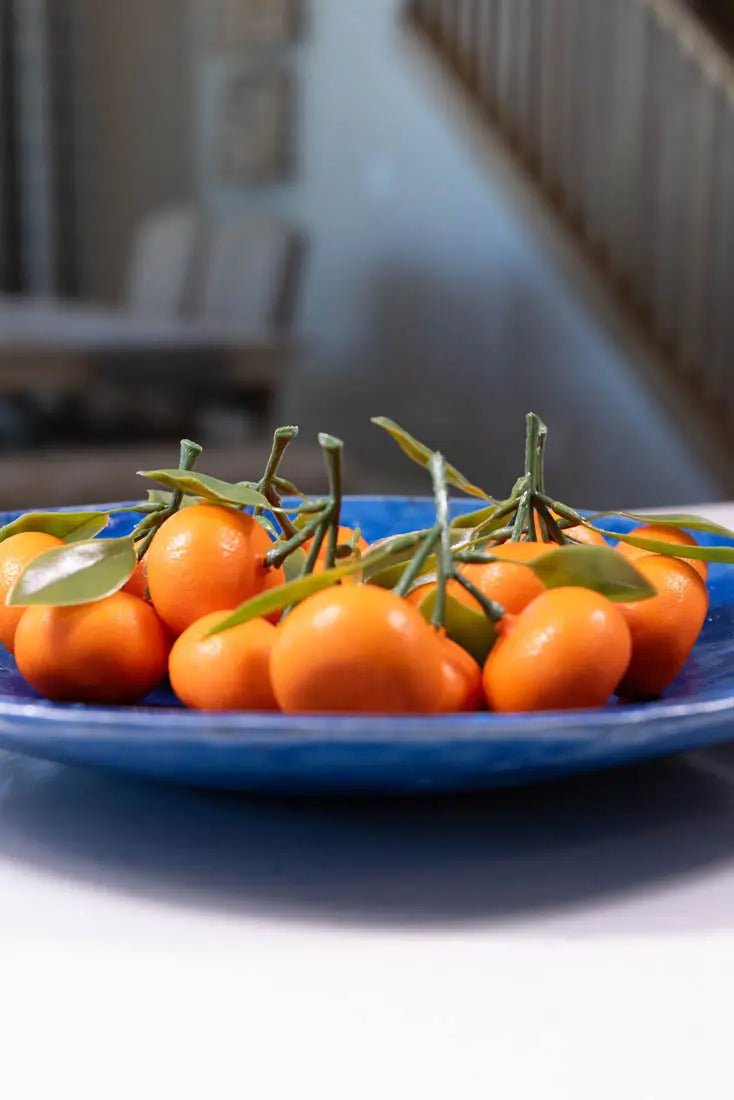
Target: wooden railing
[{"x": 623, "y": 112}]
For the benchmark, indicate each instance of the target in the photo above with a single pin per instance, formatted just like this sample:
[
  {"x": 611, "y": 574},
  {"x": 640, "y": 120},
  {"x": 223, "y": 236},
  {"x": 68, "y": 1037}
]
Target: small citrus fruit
[
  {"x": 357, "y": 648},
  {"x": 665, "y": 627},
  {"x": 138, "y": 583},
  {"x": 511, "y": 585},
  {"x": 111, "y": 651},
  {"x": 662, "y": 534},
  {"x": 205, "y": 558},
  {"x": 578, "y": 534},
  {"x": 227, "y": 671},
  {"x": 462, "y": 679},
  {"x": 15, "y": 554},
  {"x": 568, "y": 649}
]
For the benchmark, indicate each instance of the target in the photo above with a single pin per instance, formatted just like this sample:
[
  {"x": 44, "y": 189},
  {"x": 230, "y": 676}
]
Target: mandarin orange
[
  {"x": 111, "y": 651},
  {"x": 665, "y": 627},
  {"x": 206, "y": 558},
  {"x": 662, "y": 534},
  {"x": 568, "y": 649},
  {"x": 462, "y": 679},
  {"x": 15, "y": 554},
  {"x": 357, "y": 648},
  {"x": 227, "y": 671}
]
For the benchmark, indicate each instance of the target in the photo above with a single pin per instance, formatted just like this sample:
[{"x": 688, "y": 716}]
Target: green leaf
[
  {"x": 293, "y": 565},
  {"x": 69, "y": 526},
  {"x": 421, "y": 454},
  {"x": 389, "y": 565},
  {"x": 724, "y": 554},
  {"x": 75, "y": 574},
  {"x": 160, "y": 496},
  {"x": 470, "y": 629},
  {"x": 210, "y": 489},
  {"x": 685, "y": 520},
  {"x": 276, "y": 599},
  {"x": 597, "y": 567},
  {"x": 268, "y": 526},
  {"x": 388, "y": 558}
]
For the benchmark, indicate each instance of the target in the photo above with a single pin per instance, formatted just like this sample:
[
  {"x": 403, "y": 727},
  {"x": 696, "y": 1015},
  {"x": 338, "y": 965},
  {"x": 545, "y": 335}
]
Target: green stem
[
  {"x": 474, "y": 557},
  {"x": 504, "y": 510},
  {"x": 519, "y": 528},
  {"x": 404, "y": 585},
  {"x": 279, "y": 553},
  {"x": 533, "y": 449},
  {"x": 542, "y": 440},
  {"x": 445, "y": 564},
  {"x": 286, "y": 486},
  {"x": 491, "y": 609},
  {"x": 562, "y": 510},
  {"x": 147, "y": 528},
  {"x": 550, "y": 524},
  {"x": 282, "y": 438},
  {"x": 315, "y": 548},
  {"x": 333, "y": 449}
]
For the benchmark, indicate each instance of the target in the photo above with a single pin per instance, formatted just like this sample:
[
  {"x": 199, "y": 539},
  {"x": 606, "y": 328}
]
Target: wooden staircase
[{"x": 622, "y": 114}]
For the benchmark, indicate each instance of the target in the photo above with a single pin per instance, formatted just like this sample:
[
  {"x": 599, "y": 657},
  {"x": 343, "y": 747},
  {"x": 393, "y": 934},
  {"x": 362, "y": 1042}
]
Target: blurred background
[{"x": 219, "y": 215}]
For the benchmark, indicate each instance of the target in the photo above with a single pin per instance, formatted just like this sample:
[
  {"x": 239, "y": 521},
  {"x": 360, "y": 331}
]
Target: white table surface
[{"x": 573, "y": 940}]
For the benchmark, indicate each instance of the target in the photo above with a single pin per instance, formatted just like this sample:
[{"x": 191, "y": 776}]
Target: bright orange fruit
[
  {"x": 357, "y": 648},
  {"x": 111, "y": 651},
  {"x": 462, "y": 679},
  {"x": 15, "y": 554},
  {"x": 665, "y": 627},
  {"x": 227, "y": 671},
  {"x": 568, "y": 649},
  {"x": 663, "y": 534},
  {"x": 206, "y": 558}
]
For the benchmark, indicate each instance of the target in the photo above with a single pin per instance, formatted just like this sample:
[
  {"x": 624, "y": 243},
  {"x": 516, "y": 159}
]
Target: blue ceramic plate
[{"x": 285, "y": 754}]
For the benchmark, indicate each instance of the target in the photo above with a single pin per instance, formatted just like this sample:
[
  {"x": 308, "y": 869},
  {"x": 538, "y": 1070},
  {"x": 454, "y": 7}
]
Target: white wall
[{"x": 428, "y": 298}]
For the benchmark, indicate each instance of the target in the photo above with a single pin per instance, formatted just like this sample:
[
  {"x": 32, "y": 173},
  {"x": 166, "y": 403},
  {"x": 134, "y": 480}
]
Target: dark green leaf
[
  {"x": 276, "y": 599},
  {"x": 69, "y": 526},
  {"x": 724, "y": 554},
  {"x": 421, "y": 454},
  {"x": 685, "y": 520},
  {"x": 75, "y": 574},
  {"x": 210, "y": 489},
  {"x": 470, "y": 629},
  {"x": 596, "y": 567}
]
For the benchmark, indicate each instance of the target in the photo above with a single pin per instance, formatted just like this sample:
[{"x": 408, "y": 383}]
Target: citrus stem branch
[
  {"x": 146, "y": 529},
  {"x": 333, "y": 449},
  {"x": 284, "y": 550},
  {"x": 416, "y": 564},
  {"x": 445, "y": 564},
  {"x": 268, "y": 484},
  {"x": 492, "y": 610}
]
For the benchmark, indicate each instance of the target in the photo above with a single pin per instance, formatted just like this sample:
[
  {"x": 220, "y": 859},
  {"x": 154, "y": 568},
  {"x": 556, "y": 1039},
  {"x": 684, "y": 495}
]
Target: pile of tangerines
[{"x": 250, "y": 596}]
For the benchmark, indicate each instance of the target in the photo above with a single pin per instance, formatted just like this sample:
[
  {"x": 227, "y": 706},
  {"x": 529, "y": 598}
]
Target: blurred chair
[
  {"x": 161, "y": 264},
  {"x": 222, "y": 272},
  {"x": 249, "y": 272},
  {"x": 200, "y": 347}
]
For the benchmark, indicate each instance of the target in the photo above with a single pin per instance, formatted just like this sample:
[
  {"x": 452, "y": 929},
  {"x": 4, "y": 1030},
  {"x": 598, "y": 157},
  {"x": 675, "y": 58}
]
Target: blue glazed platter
[{"x": 289, "y": 754}]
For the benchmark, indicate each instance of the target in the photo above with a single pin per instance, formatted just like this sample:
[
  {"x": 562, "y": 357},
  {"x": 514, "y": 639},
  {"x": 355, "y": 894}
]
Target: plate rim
[{"x": 174, "y": 723}]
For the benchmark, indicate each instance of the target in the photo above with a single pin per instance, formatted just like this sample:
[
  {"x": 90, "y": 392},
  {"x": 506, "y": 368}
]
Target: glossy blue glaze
[{"x": 286, "y": 754}]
